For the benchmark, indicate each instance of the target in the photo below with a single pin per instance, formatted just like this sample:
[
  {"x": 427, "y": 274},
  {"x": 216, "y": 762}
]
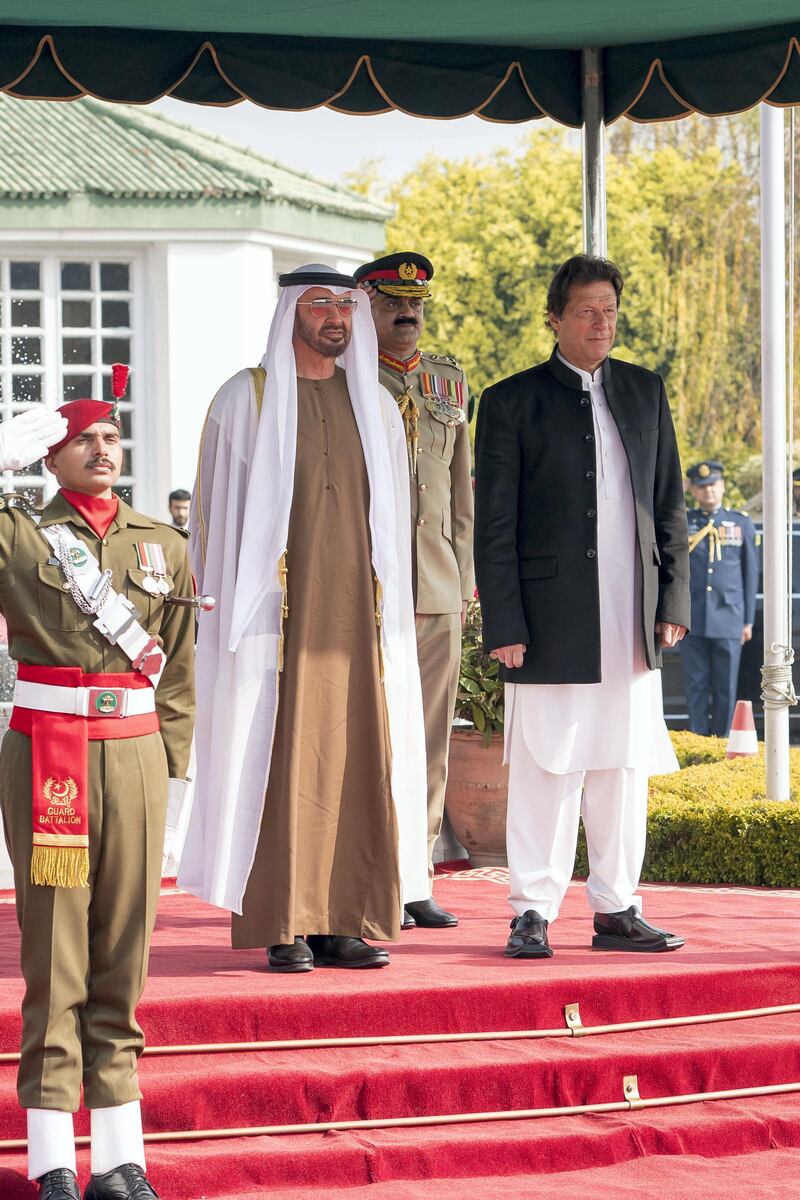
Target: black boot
[
  {"x": 528, "y": 938},
  {"x": 428, "y": 915},
  {"x": 59, "y": 1184},
  {"x": 123, "y": 1183},
  {"x": 330, "y": 951},
  {"x": 290, "y": 957},
  {"x": 629, "y": 931}
]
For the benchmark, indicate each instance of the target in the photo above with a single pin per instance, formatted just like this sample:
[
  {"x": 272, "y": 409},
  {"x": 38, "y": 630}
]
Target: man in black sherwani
[{"x": 581, "y": 552}]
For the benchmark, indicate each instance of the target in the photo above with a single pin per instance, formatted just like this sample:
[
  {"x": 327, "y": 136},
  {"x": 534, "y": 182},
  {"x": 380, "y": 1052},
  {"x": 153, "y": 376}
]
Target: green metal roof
[{"x": 111, "y": 152}]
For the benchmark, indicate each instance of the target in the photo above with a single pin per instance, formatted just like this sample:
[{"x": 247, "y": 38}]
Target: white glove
[
  {"x": 27, "y": 437},
  {"x": 179, "y": 806}
]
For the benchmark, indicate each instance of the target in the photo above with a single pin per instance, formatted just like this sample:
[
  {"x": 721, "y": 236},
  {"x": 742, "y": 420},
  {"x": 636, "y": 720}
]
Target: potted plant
[{"x": 477, "y": 780}]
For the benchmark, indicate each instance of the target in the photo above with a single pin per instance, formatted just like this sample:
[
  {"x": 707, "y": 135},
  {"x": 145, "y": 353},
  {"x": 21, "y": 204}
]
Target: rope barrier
[
  {"x": 573, "y": 1028},
  {"x": 632, "y": 1102}
]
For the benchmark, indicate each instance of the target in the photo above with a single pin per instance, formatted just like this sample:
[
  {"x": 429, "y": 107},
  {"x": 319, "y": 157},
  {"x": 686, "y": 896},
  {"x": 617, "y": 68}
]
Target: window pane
[
  {"x": 26, "y": 312},
  {"x": 126, "y": 422},
  {"x": 76, "y": 277},
  {"x": 26, "y": 389},
  {"x": 26, "y": 350},
  {"x": 34, "y": 495},
  {"x": 116, "y": 314},
  {"x": 77, "y": 350},
  {"x": 114, "y": 277},
  {"x": 107, "y": 394},
  {"x": 78, "y": 387},
  {"x": 116, "y": 350},
  {"x": 125, "y": 493},
  {"x": 24, "y": 276},
  {"x": 76, "y": 313}
]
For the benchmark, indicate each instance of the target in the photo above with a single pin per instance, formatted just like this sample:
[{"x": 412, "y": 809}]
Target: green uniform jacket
[
  {"x": 441, "y": 494},
  {"x": 46, "y": 627}
]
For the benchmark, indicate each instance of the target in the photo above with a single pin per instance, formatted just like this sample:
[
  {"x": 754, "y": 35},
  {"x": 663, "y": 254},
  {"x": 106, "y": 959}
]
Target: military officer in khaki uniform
[
  {"x": 431, "y": 393},
  {"x": 98, "y": 733}
]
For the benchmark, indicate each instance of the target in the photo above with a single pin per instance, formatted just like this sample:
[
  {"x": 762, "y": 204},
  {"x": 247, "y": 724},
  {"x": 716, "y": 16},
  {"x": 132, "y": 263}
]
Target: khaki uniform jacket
[
  {"x": 441, "y": 495},
  {"x": 46, "y": 627}
]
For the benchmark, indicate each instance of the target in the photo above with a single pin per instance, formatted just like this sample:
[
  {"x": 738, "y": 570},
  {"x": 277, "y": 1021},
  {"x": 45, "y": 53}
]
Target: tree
[{"x": 683, "y": 227}]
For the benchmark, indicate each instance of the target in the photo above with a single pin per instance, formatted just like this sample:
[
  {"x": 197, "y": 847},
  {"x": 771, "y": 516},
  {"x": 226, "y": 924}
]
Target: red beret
[{"x": 81, "y": 414}]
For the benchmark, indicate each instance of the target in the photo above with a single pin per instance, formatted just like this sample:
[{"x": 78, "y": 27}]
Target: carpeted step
[
  {"x": 292, "y": 1087},
  {"x": 549, "y": 1146},
  {"x": 447, "y": 980},
  {"x": 773, "y": 1175}
]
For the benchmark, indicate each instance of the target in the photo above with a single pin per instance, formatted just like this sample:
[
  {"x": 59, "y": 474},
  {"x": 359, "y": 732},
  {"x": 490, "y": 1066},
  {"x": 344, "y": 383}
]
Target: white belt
[{"x": 85, "y": 701}]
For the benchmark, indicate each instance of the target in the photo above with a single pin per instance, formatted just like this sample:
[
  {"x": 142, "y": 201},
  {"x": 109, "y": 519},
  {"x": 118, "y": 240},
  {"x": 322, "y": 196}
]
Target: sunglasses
[{"x": 321, "y": 308}]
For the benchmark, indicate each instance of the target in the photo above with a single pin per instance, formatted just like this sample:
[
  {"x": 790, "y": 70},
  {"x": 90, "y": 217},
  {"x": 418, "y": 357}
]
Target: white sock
[
  {"x": 117, "y": 1137},
  {"x": 51, "y": 1141}
]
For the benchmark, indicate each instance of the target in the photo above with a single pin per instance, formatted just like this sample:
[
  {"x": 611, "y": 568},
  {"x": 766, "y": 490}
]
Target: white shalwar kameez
[{"x": 590, "y": 746}]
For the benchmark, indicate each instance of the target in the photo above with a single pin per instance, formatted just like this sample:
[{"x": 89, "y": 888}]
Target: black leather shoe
[
  {"x": 408, "y": 921},
  {"x": 330, "y": 951},
  {"x": 428, "y": 915},
  {"x": 292, "y": 957},
  {"x": 59, "y": 1184},
  {"x": 123, "y": 1183},
  {"x": 528, "y": 937},
  {"x": 629, "y": 931}
]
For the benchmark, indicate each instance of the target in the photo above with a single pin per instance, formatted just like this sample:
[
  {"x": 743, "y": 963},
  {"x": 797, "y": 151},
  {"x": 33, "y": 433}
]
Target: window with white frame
[{"x": 63, "y": 322}]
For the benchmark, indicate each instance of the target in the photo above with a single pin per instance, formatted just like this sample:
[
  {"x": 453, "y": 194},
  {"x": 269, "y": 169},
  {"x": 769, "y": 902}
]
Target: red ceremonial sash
[{"x": 60, "y": 770}]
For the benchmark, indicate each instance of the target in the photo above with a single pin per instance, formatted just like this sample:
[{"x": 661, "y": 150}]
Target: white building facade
[{"x": 126, "y": 237}]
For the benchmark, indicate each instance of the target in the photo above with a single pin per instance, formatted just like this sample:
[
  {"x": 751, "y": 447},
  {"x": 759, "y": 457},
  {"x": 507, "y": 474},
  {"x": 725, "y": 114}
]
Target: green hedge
[{"x": 710, "y": 822}]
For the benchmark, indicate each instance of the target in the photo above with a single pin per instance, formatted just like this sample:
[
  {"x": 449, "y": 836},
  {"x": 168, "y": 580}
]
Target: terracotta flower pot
[{"x": 477, "y": 796}]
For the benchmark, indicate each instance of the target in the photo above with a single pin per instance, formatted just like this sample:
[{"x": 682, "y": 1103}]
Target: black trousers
[{"x": 710, "y": 672}]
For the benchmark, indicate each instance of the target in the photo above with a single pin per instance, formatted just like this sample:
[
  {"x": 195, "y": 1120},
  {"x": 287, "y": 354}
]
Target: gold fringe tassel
[
  {"x": 283, "y": 575},
  {"x": 60, "y": 866},
  {"x": 379, "y": 624},
  {"x": 711, "y": 532}
]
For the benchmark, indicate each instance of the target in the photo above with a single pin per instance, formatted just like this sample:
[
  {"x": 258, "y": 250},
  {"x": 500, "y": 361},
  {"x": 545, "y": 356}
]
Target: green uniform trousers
[
  {"x": 85, "y": 950},
  {"x": 439, "y": 654}
]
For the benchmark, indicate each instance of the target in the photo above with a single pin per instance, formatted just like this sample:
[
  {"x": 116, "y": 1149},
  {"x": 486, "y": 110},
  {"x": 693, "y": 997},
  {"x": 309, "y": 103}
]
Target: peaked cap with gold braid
[{"x": 403, "y": 274}]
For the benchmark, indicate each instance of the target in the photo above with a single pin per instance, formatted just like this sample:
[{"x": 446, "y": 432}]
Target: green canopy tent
[
  {"x": 436, "y": 58},
  {"x": 581, "y": 63}
]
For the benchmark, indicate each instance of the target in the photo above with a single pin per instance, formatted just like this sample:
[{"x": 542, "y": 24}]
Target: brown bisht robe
[{"x": 327, "y": 859}]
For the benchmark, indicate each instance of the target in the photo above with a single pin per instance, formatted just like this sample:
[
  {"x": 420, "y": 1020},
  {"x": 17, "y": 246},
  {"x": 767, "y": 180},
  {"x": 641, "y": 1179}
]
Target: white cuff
[
  {"x": 117, "y": 1137},
  {"x": 51, "y": 1141}
]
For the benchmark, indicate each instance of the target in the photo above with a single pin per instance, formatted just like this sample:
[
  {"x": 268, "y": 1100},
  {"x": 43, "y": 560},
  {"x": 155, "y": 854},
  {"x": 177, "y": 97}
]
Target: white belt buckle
[{"x": 106, "y": 702}]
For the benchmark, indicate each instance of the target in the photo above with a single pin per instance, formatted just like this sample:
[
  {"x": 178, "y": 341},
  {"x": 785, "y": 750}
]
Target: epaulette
[
  {"x": 447, "y": 359},
  {"x": 9, "y": 500},
  {"x": 172, "y": 528}
]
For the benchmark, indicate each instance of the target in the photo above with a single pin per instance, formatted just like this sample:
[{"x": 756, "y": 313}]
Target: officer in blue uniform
[{"x": 723, "y": 581}]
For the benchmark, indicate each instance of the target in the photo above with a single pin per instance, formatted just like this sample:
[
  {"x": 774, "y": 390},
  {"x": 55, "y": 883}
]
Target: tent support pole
[
  {"x": 777, "y": 637},
  {"x": 594, "y": 162}
]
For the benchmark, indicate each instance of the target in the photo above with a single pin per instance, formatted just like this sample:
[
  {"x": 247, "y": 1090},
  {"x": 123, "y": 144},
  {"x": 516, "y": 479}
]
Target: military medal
[
  {"x": 154, "y": 564},
  {"x": 444, "y": 398}
]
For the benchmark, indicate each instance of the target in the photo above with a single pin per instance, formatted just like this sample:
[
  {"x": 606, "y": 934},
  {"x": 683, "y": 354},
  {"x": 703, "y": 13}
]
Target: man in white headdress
[{"x": 309, "y": 819}]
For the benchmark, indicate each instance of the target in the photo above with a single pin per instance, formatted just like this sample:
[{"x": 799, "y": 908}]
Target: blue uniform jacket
[{"x": 723, "y": 585}]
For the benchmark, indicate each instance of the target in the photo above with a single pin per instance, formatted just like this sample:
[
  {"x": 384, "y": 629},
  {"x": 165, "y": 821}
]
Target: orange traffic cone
[{"x": 742, "y": 740}]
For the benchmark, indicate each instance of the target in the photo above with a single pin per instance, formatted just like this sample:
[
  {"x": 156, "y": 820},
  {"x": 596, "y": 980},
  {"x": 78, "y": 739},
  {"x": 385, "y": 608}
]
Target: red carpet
[{"x": 743, "y": 951}]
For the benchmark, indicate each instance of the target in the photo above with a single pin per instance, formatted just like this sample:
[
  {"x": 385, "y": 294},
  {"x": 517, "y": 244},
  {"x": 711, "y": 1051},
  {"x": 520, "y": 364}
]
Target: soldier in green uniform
[
  {"x": 99, "y": 731},
  {"x": 432, "y": 395}
]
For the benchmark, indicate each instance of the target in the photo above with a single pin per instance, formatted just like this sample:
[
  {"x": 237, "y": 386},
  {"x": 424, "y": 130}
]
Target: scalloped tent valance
[{"x": 721, "y": 72}]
